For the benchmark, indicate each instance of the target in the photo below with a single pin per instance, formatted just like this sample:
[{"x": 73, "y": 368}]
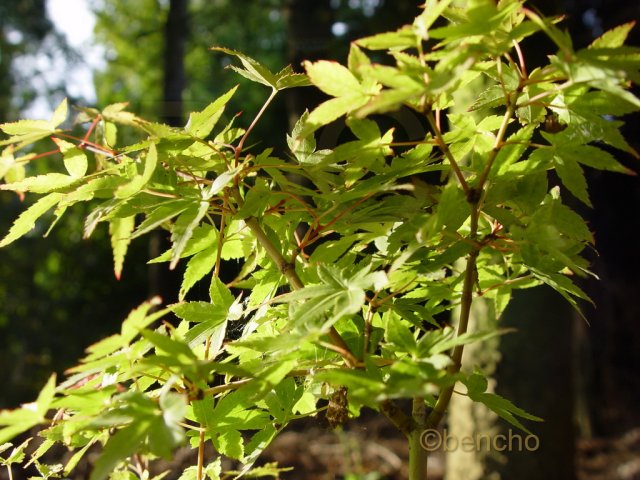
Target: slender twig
[
  {"x": 523, "y": 65},
  {"x": 238, "y": 149},
  {"x": 546, "y": 93},
  {"x": 289, "y": 271},
  {"x": 440, "y": 408},
  {"x": 216, "y": 271},
  {"x": 497, "y": 145},
  {"x": 445, "y": 149}
]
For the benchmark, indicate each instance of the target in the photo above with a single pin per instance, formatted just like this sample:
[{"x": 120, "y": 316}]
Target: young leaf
[
  {"x": 120, "y": 230},
  {"x": 120, "y": 446},
  {"x": 331, "y": 110},
  {"x": 139, "y": 181},
  {"x": 198, "y": 266},
  {"x": 26, "y": 221},
  {"x": 572, "y": 177},
  {"x": 75, "y": 160},
  {"x": 41, "y": 183},
  {"x": 287, "y": 78},
  {"x": 182, "y": 230},
  {"x": 220, "y": 294},
  {"x": 402, "y": 39},
  {"x": 201, "y": 123},
  {"x": 613, "y": 38},
  {"x": 332, "y": 78},
  {"x": 60, "y": 114},
  {"x": 504, "y": 408},
  {"x": 253, "y": 70},
  {"x": 197, "y": 312}
]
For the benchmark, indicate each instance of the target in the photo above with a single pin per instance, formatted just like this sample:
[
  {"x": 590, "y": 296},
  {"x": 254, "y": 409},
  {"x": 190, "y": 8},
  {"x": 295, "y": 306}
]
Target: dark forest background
[{"x": 58, "y": 295}]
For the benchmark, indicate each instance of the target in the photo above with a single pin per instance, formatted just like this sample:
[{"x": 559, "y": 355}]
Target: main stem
[
  {"x": 418, "y": 456},
  {"x": 474, "y": 198}
]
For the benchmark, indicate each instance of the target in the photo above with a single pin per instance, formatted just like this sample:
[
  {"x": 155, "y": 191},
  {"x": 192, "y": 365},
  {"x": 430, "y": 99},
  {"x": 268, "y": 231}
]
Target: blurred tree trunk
[
  {"x": 161, "y": 281},
  {"x": 310, "y": 38},
  {"x": 175, "y": 38},
  {"x": 536, "y": 373},
  {"x": 467, "y": 418}
]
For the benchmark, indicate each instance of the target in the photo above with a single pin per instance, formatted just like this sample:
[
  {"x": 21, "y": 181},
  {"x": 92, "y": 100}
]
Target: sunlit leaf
[{"x": 26, "y": 221}]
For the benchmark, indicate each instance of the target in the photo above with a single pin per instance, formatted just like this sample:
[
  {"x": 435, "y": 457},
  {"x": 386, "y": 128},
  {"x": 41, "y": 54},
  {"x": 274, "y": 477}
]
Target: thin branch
[
  {"x": 546, "y": 93},
  {"x": 442, "y": 404},
  {"x": 523, "y": 65},
  {"x": 238, "y": 149},
  {"x": 497, "y": 145},
  {"x": 445, "y": 149},
  {"x": 289, "y": 271}
]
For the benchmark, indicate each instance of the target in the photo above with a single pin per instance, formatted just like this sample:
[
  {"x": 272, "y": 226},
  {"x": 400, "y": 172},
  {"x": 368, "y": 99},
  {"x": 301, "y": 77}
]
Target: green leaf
[
  {"x": 201, "y": 124},
  {"x": 220, "y": 294},
  {"x": 331, "y": 110},
  {"x": 183, "y": 228},
  {"x": 572, "y": 177},
  {"x": 400, "y": 335},
  {"x": 253, "y": 70},
  {"x": 197, "y": 312},
  {"x": 197, "y": 267},
  {"x": 137, "y": 319},
  {"x": 120, "y": 446},
  {"x": 26, "y": 221},
  {"x": 60, "y": 114},
  {"x": 160, "y": 215},
  {"x": 45, "y": 397},
  {"x": 169, "y": 345},
  {"x": 476, "y": 383},
  {"x": 504, "y": 408},
  {"x": 433, "y": 9},
  {"x": 75, "y": 160},
  {"x": 229, "y": 443},
  {"x": 28, "y": 127},
  {"x": 613, "y": 38},
  {"x": 402, "y": 39},
  {"x": 165, "y": 432},
  {"x": 20, "y": 420},
  {"x": 17, "y": 454},
  {"x": 41, "y": 183},
  {"x": 120, "y": 230},
  {"x": 76, "y": 457},
  {"x": 221, "y": 181},
  {"x": 287, "y": 78},
  {"x": 214, "y": 329},
  {"x": 593, "y": 157},
  {"x": 302, "y": 148},
  {"x": 139, "y": 181},
  {"x": 332, "y": 78},
  {"x": 453, "y": 208}
]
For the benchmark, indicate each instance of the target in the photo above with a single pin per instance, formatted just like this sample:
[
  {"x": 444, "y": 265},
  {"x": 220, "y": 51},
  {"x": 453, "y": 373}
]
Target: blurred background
[{"x": 58, "y": 295}]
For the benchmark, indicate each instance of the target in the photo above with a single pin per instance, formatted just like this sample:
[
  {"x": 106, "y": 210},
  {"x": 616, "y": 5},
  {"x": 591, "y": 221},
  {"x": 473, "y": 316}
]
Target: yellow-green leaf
[
  {"x": 332, "y": 78},
  {"x": 120, "y": 230},
  {"x": 26, "y": 220}
]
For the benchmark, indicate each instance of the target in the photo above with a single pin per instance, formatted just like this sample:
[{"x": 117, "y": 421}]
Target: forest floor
[{"x": 371, "y": 449}]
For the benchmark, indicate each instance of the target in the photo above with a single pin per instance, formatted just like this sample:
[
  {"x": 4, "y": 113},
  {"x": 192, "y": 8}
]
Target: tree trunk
[
  {"x": 162, "y": 282},
  {"x": 535, "y": 372}
]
